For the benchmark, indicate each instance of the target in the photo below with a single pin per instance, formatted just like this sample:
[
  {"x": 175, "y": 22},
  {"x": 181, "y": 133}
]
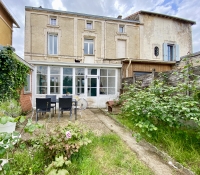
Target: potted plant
[{"x": 10, "y": 115}]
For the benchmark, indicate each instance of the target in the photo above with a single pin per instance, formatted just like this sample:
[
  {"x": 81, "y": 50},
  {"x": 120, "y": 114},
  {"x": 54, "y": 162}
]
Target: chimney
[{"x": 119, "y": 17}]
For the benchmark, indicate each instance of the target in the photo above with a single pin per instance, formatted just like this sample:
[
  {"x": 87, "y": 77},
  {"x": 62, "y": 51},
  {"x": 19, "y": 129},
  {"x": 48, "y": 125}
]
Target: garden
[
  {"x": 166, "y": 116},
  {"x": 62, "y": 150}
]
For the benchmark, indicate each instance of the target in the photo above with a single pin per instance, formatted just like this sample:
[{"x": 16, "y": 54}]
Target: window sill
[
  {"x": 28, "y": 92},
  {"x": 121, "y": 33},
  {"x": 56, "y": 26},
  {"x": 52, "y": 55},
  {"x": 89, "y": 30},
  {"x": 89, "y": 55}
]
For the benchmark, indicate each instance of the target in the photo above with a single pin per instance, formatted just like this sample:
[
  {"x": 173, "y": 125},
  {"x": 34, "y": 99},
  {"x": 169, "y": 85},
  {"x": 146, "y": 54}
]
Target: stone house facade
[{"x": 86, "y": 54}]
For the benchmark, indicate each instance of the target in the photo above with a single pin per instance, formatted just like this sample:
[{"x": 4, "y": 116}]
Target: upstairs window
[
  {"x": 88, "y": 46},
  {"x": 52, "y": 44},
  {"x": 89, "y": 25},
  {"x": 121, "y": 29},
  {"x": 171, "y": 52},
  {"x": 53, "y": 21}
]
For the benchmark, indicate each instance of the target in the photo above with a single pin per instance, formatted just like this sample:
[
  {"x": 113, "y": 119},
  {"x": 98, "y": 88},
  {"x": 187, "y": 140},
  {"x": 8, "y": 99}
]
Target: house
[
  {"x": 89, "y": 55},
  {"x": 7, "y": 22},
  {"x": 163, "y": 40}
]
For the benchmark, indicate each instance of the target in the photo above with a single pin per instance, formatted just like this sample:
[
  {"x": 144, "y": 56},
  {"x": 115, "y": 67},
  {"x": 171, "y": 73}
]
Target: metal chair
[
  {"x": 53, "y": 101},
  {"x": 65, "y": 104},
  {"x": 43, "y": 105}
]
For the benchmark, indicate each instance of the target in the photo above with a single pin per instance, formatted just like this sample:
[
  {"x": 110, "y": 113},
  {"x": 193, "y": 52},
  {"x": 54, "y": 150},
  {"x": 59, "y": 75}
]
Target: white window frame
[
  {"x": 27, "y": 88},
  {"x": 53, "y": 52},
  {"x": 53, "y": 21},
  {"x": 121, "y": 28},
  {"x": 90, "y": 43},
  {"x": 89, "y": 25}
]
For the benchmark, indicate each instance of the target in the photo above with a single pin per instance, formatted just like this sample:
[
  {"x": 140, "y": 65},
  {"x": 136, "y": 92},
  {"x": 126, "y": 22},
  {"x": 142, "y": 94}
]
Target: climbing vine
[{"x": 12, "y": 75}]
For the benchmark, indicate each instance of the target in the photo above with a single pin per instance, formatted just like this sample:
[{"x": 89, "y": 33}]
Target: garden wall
[{"x": 169, "y": 76}]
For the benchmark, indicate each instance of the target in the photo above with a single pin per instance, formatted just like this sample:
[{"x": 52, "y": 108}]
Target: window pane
[
  {"x": 79, "y": 71},
  {"x": 111, "y": 81},
  {"x": 80, "y": 82},
  {"x": 103, "y": 72},
  {"x": 54, "y": 70},
  {"x": 89, "y": 25},
  {"x": 41, "y": 90},
  {"x": 55, "y": 44},
  {"x": 41, "y": 80},
  {"x": 85, "y": 48},
  {"x": 53, "y": 21},
  {"x": 67, "y": 90},
  {"x": 27, "y": 87},
  {"x": 111, "y": 90},
  {"x": 121, "y": 29},
  {"x": 91, "y": 48},
  {"x": 67, "y": 71},
  {"x": 92, "y": 71},
  {"x": 67, "y": 80},
  {"x": 50, "y": 44},
  {"x": 41, "y": 69},
  {"x": 111, "y": 72},
  {"x": 103, "y": 80}
]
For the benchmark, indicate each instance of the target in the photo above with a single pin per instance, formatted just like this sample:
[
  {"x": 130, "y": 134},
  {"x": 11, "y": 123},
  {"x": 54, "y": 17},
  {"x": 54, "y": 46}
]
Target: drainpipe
[{"x": 128, "y": 67}]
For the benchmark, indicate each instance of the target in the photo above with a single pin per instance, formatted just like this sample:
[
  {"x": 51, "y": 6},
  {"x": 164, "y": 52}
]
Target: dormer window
[
  {"x": 89, "y": 25},
  {"x": 53, "y": 21},
  {"x": 121, "y": 29}
]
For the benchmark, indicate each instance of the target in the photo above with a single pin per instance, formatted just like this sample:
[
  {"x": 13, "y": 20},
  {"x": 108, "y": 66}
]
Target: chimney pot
[{"x": 119, "y": 17}]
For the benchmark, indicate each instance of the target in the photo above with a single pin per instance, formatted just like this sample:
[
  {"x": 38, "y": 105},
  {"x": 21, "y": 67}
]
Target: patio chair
[
  {"x": 65, "y": 104},
  {"x": 43, "y": 105},
  {"x": 53, "y": 101}
]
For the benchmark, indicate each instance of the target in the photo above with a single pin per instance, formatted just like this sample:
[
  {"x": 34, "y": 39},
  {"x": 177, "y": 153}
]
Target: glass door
[{"x": 92, "y": 86}]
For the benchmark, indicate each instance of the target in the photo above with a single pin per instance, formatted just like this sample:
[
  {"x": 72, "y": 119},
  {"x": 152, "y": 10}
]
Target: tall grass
[
  {"x": 182, "y": 145},
  {"x": 108, "y": 155}
]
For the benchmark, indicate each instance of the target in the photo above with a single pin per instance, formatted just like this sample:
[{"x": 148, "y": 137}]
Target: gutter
[{"x": 128, "y": 67}]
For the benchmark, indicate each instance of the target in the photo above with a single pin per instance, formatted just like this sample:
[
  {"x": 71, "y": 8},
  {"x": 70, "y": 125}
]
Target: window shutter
[
  {"x": 165, "y": 54},
  {"x": 177, "y": 53}
]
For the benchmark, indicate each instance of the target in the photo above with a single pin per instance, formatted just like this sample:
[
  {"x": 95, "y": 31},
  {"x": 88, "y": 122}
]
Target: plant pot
[{"x": 8, "y": 127}]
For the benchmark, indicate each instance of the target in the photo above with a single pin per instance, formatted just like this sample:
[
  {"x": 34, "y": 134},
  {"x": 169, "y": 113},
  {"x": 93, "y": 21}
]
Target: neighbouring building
[
  {"x": 89, "y": 55},
  {"x": 7, "y": 22}
]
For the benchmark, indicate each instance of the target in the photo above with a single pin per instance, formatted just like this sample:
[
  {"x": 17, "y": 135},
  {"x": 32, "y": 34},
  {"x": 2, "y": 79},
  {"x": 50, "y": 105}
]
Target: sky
[{"x": 188, "y": 9}]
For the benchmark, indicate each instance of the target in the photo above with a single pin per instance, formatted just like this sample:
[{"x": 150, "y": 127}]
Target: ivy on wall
[{"x": 12, "y": 74}]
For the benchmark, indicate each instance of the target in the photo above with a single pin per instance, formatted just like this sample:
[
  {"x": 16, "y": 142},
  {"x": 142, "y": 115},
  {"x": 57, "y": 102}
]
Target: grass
[
  {"x": 182, "y": 145},
  {"x": 106, "y": 155}
]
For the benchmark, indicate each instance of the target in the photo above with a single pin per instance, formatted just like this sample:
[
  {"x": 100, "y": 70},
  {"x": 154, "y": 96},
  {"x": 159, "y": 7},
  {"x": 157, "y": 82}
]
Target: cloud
[
  {"x": 111, "y": 8},
  {"x": 58, "y": 5}
]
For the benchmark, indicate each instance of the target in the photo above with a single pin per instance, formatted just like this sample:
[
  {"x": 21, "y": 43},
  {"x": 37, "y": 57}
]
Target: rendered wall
[
  {"x": 157, "y": 30},
  {"x": 5, "y": 28}
]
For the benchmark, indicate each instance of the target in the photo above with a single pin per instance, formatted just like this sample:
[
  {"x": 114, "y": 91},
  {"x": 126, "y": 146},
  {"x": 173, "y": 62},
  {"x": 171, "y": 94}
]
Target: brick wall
[{"x": 25, "y": 101}]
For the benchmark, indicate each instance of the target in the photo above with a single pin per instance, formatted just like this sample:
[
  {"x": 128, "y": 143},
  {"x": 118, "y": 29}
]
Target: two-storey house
[{"x": 83, "y": 54}]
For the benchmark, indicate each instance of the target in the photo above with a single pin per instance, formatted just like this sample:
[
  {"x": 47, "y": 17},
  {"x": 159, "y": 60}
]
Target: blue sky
[{"x": 188, "y": 9}]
